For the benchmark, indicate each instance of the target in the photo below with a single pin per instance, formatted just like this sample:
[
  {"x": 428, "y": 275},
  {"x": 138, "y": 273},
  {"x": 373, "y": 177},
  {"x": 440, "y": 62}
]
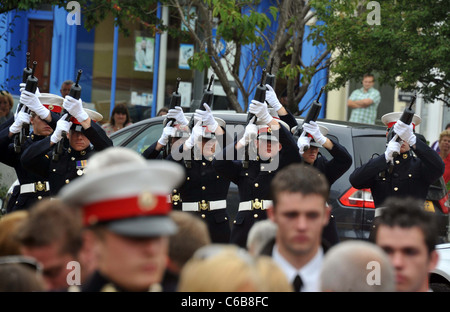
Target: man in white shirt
[{"x": 299, "y": 195}]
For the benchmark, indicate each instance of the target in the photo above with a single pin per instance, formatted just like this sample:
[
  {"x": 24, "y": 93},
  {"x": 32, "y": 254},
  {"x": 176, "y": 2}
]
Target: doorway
[{"x": 40, "y": 35}]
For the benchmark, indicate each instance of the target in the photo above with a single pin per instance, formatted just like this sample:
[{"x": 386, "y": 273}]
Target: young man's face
[
  {"x": 409, "y": 256},
  {"x": 78, "y": 141},
  {"x": 133, "y": 263},
  {"x": 310, "y": 155},
  {"x": 40, "y": 127},
  {"x": 300, "y": 219},
  {"x": 268, "y": 148}
]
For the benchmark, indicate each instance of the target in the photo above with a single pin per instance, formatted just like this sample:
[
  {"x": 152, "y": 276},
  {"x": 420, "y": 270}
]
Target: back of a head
[
  {"x": 51, "y": 221},
  {"x": 259, "y": 235},
  {"x": 273, "y": 277},
  {"x": 357, "y": 266},
  {"x": 16, "y": 277},
  {"x": 220, "y": 268},
  {"x": 192, "y": 234},
  {"x": 9, "y": 224}
]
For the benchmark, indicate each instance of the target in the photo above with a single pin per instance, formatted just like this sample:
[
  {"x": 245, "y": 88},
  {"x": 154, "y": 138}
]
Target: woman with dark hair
[{"x": 120, "y": 118}]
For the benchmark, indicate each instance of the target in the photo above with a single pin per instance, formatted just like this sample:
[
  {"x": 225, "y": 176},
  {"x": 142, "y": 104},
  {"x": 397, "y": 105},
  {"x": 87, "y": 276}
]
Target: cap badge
[{"x": 146, "y": 201}]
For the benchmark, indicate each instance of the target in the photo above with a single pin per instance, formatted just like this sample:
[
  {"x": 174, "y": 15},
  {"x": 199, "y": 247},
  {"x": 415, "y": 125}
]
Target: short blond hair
[
  {"x": 444, "y": 134},
  {"x": 220, "y": 268}
]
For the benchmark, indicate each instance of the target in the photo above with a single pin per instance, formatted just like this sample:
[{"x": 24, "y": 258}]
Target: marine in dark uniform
[
  {"x": 127, "y": 215},
  {"x": 84, "y": 139},
  {"x": 410, "y": 173},
  {"x": 204, "y": 192},
  {"x": 309, "y": 149},
  {"x": 31, "y": 187},
  {"x": 276, "y": 149}
]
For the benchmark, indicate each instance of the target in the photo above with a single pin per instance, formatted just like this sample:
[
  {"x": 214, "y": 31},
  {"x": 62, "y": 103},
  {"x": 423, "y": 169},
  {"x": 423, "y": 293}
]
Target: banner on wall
[
  {"x": 144, "y": 53},
  {"x": 186, "y": 51}
]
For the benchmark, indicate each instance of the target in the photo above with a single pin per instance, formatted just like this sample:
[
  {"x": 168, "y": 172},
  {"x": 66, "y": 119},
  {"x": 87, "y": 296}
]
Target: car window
[
  {"x": 149, "y": 136},
  {"x": 367, "y": 147},
  {"x": 119, "y": 137}
]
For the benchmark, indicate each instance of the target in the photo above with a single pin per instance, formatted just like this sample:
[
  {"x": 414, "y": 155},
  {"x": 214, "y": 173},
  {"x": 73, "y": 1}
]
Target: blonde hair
[
  {"x": 444, "y": 134},
  {"x": 9, "y": 97},
  {"x": 220, "y": 268},
  {"x": 274, "y": 279},
  {"x": 9, "y": 224}
]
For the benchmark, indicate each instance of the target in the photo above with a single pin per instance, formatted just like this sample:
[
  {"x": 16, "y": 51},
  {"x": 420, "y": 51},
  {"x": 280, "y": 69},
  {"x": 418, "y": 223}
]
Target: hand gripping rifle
[
  {"x": 75, "y": 92},
  {"x": 406, "y": 117},
  {"x": 260, "y": 96},
  {"x": 313, "y": 114},
  {"x": 207, "y": 98},
  {"x": 31, "y": 86},
  {"x": 174, "y": 101}
]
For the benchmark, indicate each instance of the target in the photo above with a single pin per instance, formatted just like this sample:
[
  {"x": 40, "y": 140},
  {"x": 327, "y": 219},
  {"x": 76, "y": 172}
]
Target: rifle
[
  {"x": 31, "y": 86},
  {"x": 207, "y": 98},
  {"x": 174, "y": 101},
  {"x": 26, "y": 72},
  {"x": 313, "y": 114},
  {"x": 406, "y": 117},
  {"x": 260, "y": 96},
  {"x": 75, "y": 92},
  {"x": 270, "y": 78}
]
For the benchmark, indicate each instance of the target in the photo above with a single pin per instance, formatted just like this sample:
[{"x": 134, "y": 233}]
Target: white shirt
[{"x": 309, "y": 273}]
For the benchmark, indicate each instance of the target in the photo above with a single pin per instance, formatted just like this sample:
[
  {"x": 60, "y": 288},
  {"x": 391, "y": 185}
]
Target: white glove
[
  {"x": 31, "y": 100},
  {"x": 303, "y": 143},
  {"x": 260, "y": 111},
  {"x": 392, "y": 147},
  {"x": 313, "y": 128},
  {"x": 272, "y": 99},
  {"x": 405, "y": 132},
  {"x": 20, "y": 119},
  {"x": 177, "y": 114},
  {"x": 251, "y": 131},
  {"x": 168, "y": 131},
  {"x": 196, "y": 134},
  {"x": 207, "y": 117},
  {"x": 61, "y": 125},
  {"x": 75, "y": 108}
]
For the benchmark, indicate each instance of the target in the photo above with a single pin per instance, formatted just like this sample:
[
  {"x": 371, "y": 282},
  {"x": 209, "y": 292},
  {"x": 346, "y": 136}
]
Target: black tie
[{"x": 298, "y": 283}]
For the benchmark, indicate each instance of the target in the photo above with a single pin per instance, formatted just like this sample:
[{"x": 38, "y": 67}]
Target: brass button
[
  {"x": 72, "y": 158},
  {"x": 174, "y": 190},
  {"x": 218, "y": 177},
  {"x": 262, "y": 167},
  {"x": 397, "y": 162},
  {"x": 188, "y": 178},
  {"x": 203, "y": 188},
  {"x": 54, "y": 170},
  {"x": 203, "y": 163},
  {"x": 256, "y": 185},
  {"x": 39, "y": 197},
  {"x": 396, "y": 189},
  {"x": 203, "y": 216},
  {"x": 67, "y": 181},
  {"x": 246, "y": 173},
  {"x": 234, "y": 221},
  {"x": 410, "y": 175},
  {"x": 83, "y": 153},
  {"x": 255, "y": 216}
]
